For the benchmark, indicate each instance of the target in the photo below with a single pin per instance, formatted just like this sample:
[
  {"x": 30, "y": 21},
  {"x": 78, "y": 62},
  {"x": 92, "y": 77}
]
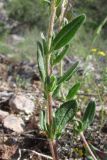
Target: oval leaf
[
  {"x": 73, "y": 91},
  {"x": 64, "y": 114},
  {"x": 67, "y": 32},
  {"x": 89, "y": 114}
]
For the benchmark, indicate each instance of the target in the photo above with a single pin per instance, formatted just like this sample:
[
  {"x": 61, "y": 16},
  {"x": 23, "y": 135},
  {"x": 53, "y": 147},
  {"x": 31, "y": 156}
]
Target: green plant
[
  {"x": 50, "y": 51},
  {"x": 80, "y": 125}
]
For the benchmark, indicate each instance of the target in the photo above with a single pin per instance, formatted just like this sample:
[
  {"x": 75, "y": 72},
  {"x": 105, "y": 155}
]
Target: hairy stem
[
  {"x": 54, "y": 149},
  {"x": 49, "y": 72},
  {"x": 87, "y": 145},
  {"x": 48, "y": 66},
  {"x": 50, "y": 117}
]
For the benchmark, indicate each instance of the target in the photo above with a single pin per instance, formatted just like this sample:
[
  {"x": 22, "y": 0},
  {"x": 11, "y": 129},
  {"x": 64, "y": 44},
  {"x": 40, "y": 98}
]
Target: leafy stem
[
  {"x": 48, "y": 66},
  {"x": 48, "y": 72},
  {"x": 50, "y": 52},
  {"x": 54, "y": 149}
]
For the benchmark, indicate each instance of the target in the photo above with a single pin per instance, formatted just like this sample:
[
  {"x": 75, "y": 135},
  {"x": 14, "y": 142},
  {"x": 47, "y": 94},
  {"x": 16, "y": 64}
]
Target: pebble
[
  {"x": 14, "y": 123},
  {"x": 22, "y": 103}
]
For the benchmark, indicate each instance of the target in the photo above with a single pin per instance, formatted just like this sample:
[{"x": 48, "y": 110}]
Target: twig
[
  {"x": 88, "y": 147},
  {"x": 19, "y": 158},
  {"x": 37, "y": 153}
]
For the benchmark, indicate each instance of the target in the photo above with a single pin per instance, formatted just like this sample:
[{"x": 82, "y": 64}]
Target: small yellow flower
[
  {"x": 101, "y": 53},
  {"x": 80, "y": 152},
  {"x": 94, "y": 49}
]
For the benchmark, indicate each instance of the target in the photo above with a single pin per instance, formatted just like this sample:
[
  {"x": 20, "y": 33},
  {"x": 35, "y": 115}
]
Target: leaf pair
[
  {"x": 61, "y": 40},
  {"x": 63, "y": 115}
]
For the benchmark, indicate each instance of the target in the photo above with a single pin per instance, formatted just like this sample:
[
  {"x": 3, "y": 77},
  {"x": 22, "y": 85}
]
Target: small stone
[
  {"x": 3, "y": 115},
  {"x": 14, "y": 123},
  {"x": 104, "y": 128},
  {"x": 22, "y": 103}
]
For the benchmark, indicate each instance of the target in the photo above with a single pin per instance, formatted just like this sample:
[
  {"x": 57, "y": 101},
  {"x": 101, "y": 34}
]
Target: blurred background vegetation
[{"x": 25, "y": 19}]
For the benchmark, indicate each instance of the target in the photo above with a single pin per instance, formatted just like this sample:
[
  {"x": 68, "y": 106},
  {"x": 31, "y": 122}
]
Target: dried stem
[
  {"x": 37, "y": 153},
  {"x": 88, "y": 147}
]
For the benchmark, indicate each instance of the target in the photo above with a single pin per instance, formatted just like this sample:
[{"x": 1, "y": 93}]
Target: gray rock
[
  {"x": 1, "y": 5},
  {"x": 22, "y": 103},
  {"x": 14, "y": 123},
  {"x": 15, "y": 39},
  {"x": 3, "y": 115}
]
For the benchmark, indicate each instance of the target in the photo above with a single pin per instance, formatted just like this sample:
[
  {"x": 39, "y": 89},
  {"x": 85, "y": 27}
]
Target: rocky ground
[{"x": 21, "y": 100}]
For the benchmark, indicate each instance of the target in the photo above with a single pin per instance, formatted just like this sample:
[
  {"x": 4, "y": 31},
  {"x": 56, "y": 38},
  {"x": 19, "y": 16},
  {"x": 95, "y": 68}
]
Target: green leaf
[
  {"x": 48, "y": 1},
  {"x": 67, "y": 33},
  {"x": 58, "y": 2},
  {"x": 40, "y": 61},
  {"x": 43, "y": 120},
  {"x": 44, "y": 42},
  {"x": 63, "y": 115},
  {"x": 78, "y": 126},
  {"x": 73, "y": 91},
  {"x": 89, "y": 115},
  {"x": 68, "y": 74},
  {"x": 51, "y": 83},
  {"x": 59, "y": 57},
  {"x": 56, "y": 92}
]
